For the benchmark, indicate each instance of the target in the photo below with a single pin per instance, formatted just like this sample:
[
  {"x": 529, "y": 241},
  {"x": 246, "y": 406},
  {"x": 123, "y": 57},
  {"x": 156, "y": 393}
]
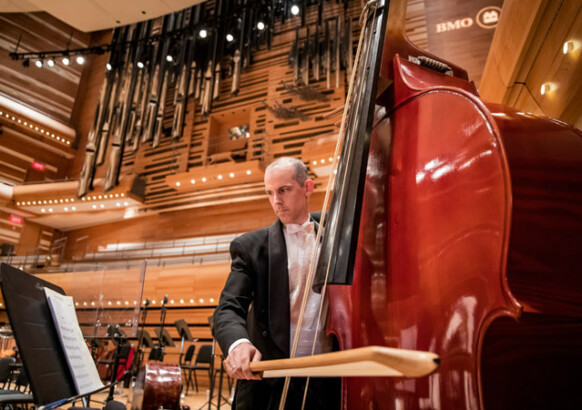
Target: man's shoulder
[{"x": 255, "y": 237}]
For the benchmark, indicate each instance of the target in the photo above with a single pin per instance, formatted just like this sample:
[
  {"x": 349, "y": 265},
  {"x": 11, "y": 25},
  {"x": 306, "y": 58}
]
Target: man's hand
[{"x": 238, "y": 360}]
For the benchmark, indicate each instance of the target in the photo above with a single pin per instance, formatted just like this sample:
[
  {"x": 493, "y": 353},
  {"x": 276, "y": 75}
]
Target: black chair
[
  {"x": 186, "y": 365},
  {"x": 10, "y": 397},
  {"x": 5, "y": 370},
  {"x": 203, "y": 362}
]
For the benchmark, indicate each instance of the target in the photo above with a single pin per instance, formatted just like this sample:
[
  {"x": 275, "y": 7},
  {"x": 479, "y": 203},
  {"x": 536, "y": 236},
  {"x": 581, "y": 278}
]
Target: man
[{"x": 258, "y": 308}]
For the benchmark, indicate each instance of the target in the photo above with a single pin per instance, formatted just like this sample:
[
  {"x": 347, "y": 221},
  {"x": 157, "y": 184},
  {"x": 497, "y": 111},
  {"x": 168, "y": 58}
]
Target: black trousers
[{"x": 322, "y": 394}]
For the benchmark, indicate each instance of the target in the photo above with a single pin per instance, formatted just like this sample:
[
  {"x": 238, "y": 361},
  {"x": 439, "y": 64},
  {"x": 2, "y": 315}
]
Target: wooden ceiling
[
  {"x": 52, "y": 91},
  {"x": 94, "y": 15}
]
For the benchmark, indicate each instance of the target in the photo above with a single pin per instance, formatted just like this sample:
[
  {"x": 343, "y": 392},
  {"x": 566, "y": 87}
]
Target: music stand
[
  {"x": 144, "y": 338},
  {"x": 184, "y": 333},
  {"x": 42, "y": 354},
  {"x": 219, "y": 396},
  {"x": 168, "y": 341}
]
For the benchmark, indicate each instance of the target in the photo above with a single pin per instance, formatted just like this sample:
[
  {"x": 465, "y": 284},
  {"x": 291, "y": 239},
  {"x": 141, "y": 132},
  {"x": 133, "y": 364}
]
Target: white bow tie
[{"x": 307, "y": 228}]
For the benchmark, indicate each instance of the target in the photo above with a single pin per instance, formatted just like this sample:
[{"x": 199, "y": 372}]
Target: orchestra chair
[
  {"x": 5, "y": 370},
  {"x": 9, "y": 397},
  {"x": 203, "y": 362},
  {"x": 186, "y": 366}
]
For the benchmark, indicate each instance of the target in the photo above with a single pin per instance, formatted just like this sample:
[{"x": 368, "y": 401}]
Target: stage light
[
  {"x": 261, "y": 25},
  {"x": 203, "y": 33},
  {"x": 295, "y": 9},
  {"x": 50, "y": 63},
  {"x": 66, "y": 60},
  {"x": 229, "y": 38},
  {"x": 38, "y": 63},
  {"x": 80, "y": 60}
]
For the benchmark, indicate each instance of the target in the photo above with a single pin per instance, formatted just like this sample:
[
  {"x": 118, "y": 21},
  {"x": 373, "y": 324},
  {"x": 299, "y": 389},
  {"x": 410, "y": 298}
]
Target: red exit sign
[
  {"x": 38, "y": 165},
  {"x": 15, "y": 219}
]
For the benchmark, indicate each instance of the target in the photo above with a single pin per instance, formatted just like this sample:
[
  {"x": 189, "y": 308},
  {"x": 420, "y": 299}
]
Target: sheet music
[{"x": 79, "y": 358}]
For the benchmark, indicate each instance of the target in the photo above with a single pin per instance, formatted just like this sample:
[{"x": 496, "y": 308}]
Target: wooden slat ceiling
[
  {"x": 94, "y": 15},
  {"x": 48, "y": 90}
]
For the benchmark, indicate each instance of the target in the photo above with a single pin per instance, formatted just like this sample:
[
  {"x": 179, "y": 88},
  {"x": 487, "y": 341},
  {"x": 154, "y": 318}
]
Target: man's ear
[{"x": 309, "y": 187}]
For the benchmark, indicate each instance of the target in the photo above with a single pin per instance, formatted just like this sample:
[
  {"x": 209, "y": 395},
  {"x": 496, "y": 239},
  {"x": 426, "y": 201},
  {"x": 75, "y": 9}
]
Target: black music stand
[
  {"x": 144, "y": 338},
  {"x": 39, "y": 345},
  {"x": 184, "y": 333},
  {"x": 168, "y": 341},
  {"x": 219, "y": 397},
  {"x": 164, "y": 339}
]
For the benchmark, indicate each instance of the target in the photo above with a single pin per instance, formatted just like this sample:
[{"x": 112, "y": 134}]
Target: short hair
[{"x": 299, "y": 169}]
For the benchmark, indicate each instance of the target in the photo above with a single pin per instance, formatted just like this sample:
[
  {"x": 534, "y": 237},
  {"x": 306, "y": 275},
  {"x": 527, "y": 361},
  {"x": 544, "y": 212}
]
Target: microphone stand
[
  {"x": 140, "y": 348},
  {"x": 162, "y": 320},
  {"x": 119, "y": 339}
]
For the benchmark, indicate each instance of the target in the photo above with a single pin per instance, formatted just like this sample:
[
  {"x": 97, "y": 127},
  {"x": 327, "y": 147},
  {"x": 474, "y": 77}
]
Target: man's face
[{"x": 289, "y": 200}]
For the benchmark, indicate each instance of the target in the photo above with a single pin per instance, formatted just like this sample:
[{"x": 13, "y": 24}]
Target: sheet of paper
[{"x": 79, "y": 358}]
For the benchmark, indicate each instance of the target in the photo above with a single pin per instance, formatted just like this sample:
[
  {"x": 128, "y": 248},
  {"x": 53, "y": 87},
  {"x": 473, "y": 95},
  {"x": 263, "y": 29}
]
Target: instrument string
[{"x": 362, "y": 49}]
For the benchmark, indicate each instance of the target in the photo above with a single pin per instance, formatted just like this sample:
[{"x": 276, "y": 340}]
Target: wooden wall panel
[
  {"x": 188, "y": 223},
  {"x": 10, "y": 232},
  {"x": 527, "y": 52}
]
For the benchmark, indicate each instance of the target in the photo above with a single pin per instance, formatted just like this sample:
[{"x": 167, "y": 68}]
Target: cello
[{"x": 454, "y": 229}]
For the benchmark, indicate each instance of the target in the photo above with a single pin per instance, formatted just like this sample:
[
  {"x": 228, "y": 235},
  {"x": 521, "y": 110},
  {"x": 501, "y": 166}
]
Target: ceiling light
[
  {"x": 38, "y": 63},
  {"x": 140, "y": 64},
  {"x": 50, "y": 63},
  {"x": 203, "y": 33},
  {"x": 80, "y": 60},
  {"x": 66, "y": 61},
  {"x": 229, "y": 38},
  {"x": 169, "y": 58},
  {"x": 546, "y": 88},
  {"x": 568, "y": 47},
  {"x": 295, "y": 9},
  {"x": 261, "y": 25},
  {"x": 108, "y": 66}
]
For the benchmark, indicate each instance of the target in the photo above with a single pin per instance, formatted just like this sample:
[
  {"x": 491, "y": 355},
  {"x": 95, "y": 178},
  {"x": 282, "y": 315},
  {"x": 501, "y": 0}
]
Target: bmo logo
[{"x": 487, "y": 18}]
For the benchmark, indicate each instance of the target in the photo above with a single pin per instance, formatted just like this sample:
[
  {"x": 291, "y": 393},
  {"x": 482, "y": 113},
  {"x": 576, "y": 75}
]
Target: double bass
[{"x": 454, "y": 228}]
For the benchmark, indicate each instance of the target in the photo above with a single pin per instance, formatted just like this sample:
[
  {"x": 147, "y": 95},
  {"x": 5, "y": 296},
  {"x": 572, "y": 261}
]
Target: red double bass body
[{"x": 469, "y": 246}]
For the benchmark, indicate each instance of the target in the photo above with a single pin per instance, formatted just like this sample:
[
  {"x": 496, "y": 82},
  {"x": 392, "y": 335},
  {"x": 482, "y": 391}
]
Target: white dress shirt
[{"x": 300, "y": 244}]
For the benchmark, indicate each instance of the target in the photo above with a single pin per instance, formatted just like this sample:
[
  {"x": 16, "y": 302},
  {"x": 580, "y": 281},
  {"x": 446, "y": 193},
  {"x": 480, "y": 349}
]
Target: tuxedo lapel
[{"x": 278, "y": 287}]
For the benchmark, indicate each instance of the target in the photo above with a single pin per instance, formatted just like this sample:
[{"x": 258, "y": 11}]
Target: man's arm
[{"x": 230, "y": 316}]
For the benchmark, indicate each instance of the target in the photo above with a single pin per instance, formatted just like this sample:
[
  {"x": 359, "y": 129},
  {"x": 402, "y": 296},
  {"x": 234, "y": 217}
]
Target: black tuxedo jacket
[{"x": 254, "y": 304}]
